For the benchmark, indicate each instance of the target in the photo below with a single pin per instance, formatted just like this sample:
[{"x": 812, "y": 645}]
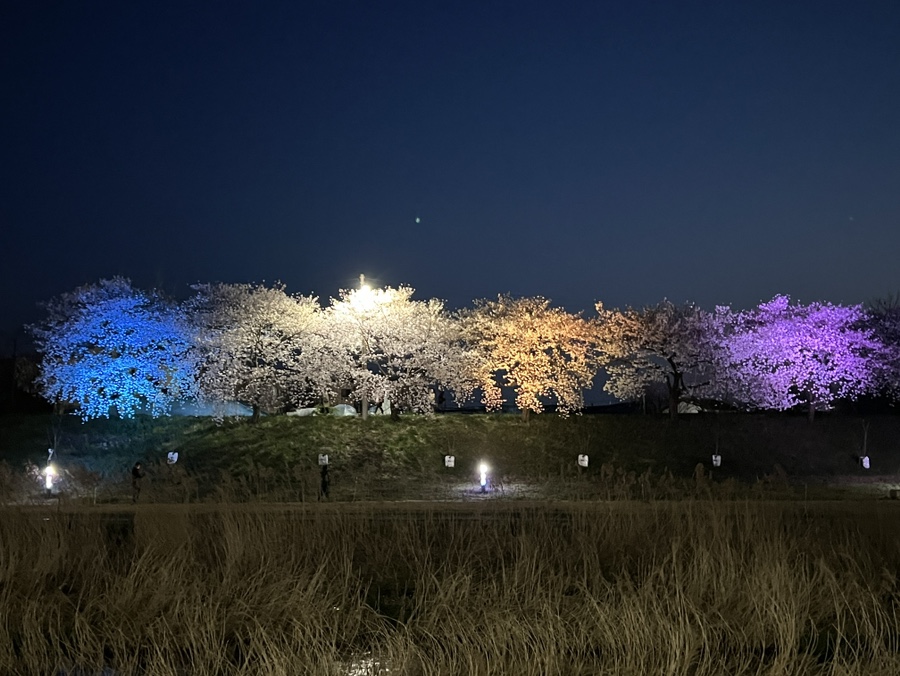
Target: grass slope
[{"x": 380, "y": 458}]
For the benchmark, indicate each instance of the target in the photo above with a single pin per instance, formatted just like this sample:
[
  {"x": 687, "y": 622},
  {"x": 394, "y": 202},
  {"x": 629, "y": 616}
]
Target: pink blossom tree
[{"x": 663, "y": 343}]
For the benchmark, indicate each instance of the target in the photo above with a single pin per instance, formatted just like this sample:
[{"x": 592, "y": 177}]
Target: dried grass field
[{"x": 698, "y": 587}]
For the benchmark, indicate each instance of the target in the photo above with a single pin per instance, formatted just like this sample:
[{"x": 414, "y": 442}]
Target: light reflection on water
[
  {"x": 367, "y": 666},
  {"x": 362, "y": 666}
]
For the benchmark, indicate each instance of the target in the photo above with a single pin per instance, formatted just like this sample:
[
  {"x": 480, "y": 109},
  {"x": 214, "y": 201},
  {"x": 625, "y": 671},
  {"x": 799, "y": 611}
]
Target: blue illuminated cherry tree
[
  {"x": 110, "y": 348},
  {"x": 781, "y": 355}
]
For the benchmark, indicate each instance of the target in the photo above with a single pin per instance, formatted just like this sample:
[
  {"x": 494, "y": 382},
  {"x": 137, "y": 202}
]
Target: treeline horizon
[
  {"x": 169, "y": 293},
  {"x": 110, "y": 345}
]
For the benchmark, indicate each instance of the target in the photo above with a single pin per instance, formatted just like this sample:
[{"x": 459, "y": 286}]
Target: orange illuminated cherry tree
[{"x": 542, "y": 354}]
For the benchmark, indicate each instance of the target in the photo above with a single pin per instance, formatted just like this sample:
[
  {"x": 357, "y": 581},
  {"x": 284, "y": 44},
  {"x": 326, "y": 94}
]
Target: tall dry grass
[{"x": 700, "y": 588}]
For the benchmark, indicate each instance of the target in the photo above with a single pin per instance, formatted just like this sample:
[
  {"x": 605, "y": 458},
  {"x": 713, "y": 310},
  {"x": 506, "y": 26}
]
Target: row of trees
[{"x": 110, "y": 347}]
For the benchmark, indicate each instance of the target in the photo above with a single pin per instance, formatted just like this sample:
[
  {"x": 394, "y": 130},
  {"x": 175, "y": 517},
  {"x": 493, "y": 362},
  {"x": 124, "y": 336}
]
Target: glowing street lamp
[{"x": 364, "y": 300}]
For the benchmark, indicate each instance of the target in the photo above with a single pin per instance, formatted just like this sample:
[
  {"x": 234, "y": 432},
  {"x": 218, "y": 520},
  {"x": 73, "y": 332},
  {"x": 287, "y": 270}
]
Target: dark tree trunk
[
  {"x": 256, "y": 414},
  {"x": 675, "y": 383},
  {"x": 673, "y": 403}
]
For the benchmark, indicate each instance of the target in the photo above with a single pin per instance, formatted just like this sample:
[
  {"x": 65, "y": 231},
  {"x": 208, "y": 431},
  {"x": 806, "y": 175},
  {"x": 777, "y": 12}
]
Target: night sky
[{"x": 715, "y": 152}]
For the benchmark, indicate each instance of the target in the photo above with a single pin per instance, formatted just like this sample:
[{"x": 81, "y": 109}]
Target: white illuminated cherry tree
[
  {"x": 385, "y": 345},
  {"x": 256, "y": 344},
  {"x": 110, "y": 348},
  {"x": 544, "y": 354}
]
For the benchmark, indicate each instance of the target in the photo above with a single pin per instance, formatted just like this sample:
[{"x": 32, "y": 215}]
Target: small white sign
[
  {"x": 717, "y": 460},
  {"x": 449, "y": 461},
  {"x": 864, "y": 461},
  {"x": 323, "y": 459},
  {"x": 172, "y": 457},
  {"x": 582, "y": 460}
]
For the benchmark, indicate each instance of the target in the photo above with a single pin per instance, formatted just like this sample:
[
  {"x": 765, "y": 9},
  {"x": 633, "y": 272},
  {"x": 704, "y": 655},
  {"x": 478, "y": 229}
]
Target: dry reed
[{"x": 696, "y": 587}]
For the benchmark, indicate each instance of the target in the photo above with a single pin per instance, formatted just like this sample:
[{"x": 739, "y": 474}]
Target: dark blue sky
[{"x": 717, "y": 152}]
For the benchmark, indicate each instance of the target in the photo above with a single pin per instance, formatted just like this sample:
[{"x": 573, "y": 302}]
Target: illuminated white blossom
[
  {"x": 385, "y": 345},
  {"x": 256, "y": 344}
]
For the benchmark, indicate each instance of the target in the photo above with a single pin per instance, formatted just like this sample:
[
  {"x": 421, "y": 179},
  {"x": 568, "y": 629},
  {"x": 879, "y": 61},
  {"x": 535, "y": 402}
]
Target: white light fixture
[
  {"x": 582, "y": 460},
  {"x": 49, "y": 473},
  {"x": 449, "y": 461}
]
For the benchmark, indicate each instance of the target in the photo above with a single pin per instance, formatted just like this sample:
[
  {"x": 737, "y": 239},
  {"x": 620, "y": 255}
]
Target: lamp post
[
  {"x": 364, "y": 301},
  {"x": 362, "y": 305}
]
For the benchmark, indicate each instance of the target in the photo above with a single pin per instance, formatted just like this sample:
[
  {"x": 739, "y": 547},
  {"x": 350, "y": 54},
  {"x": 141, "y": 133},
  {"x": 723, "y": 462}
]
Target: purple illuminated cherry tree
[
  {"x": 884, "y": 316},
  {"x": 781, "y": 355}
]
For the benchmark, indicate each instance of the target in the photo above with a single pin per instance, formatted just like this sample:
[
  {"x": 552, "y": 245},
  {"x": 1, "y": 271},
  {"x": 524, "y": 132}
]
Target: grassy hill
[{"x": 276, "y": 459}]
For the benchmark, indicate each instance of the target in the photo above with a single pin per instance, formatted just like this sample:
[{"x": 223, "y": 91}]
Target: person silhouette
[
  {"x": 325, "y": 483},
  {"x": 137, "y": 473}
]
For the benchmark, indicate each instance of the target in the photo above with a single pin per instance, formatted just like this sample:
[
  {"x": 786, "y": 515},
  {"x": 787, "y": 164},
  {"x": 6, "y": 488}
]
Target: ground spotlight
[{"x": 49, "y": 473}]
